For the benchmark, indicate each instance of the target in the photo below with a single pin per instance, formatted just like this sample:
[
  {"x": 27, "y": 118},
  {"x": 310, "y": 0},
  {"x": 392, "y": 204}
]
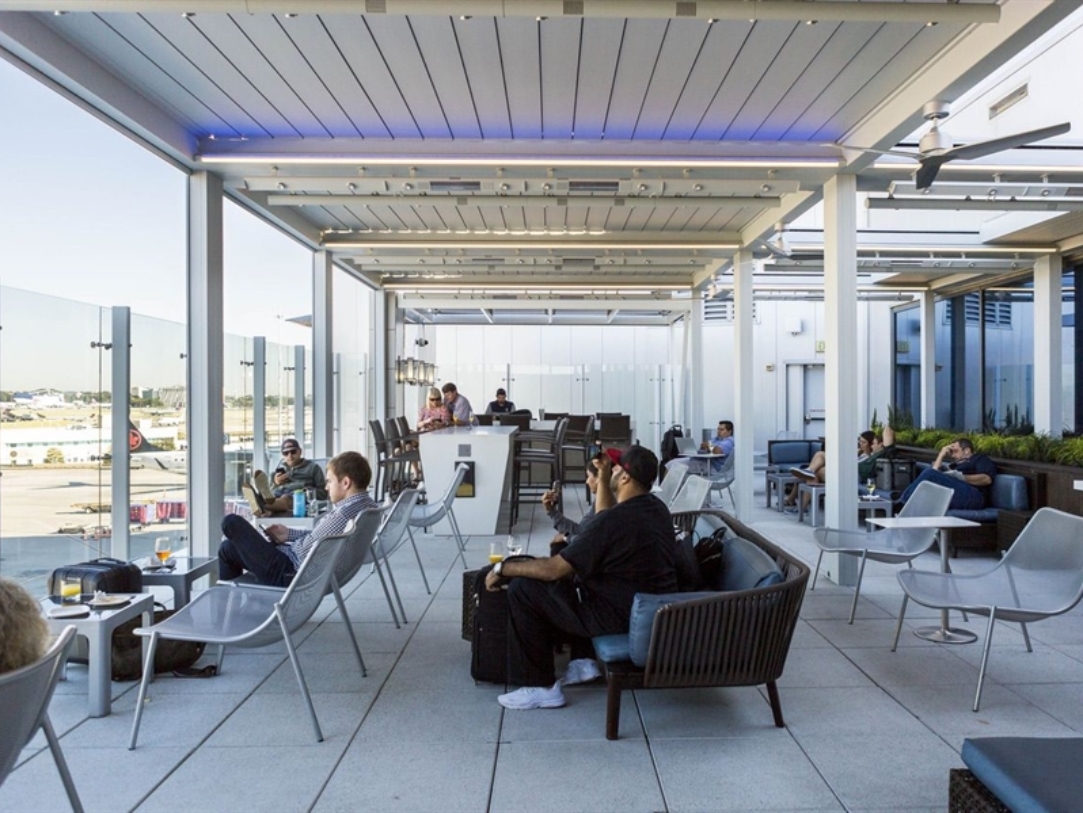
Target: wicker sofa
[
  {"x": 736, "y": 637},
  {"x": 1004, "y": 774}
]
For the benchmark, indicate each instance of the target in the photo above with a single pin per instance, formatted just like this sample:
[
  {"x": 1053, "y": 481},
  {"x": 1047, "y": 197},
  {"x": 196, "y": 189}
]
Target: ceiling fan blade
[
  {"x": 926, "y": 173},
  {"x": 982, "y": 148},
  {"x": 911, "y": 155}
]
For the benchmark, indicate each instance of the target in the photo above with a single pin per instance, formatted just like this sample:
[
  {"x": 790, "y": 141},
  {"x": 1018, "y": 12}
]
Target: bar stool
[{"x": 536, "y": 448}]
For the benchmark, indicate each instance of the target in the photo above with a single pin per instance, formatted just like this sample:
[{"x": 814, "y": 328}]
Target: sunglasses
[{"x": 290, "y": 452}]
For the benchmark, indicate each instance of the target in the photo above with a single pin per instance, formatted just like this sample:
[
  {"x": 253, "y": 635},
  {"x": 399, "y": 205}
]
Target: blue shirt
[
  {"x": 726, "y": 445},
  {"x": 461, "y": 410}
]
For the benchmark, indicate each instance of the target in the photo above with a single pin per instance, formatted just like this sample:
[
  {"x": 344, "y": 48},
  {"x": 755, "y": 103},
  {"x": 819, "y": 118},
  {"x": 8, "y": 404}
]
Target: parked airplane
[{"x": 138, "y": 445}]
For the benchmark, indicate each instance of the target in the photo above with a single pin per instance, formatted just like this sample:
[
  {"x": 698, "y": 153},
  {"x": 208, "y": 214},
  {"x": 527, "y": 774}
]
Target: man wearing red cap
[{"x": 587, "y": 589}]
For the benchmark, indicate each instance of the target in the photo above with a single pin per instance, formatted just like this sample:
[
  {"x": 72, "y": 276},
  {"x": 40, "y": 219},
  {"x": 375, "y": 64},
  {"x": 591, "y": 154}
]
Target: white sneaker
[
  {"x": 533, "y": 697},
  {"x": 581, "y": 670}
]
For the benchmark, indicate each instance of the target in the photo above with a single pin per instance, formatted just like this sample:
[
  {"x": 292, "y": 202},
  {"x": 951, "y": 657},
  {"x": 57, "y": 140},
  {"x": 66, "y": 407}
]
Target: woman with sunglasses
[{"x": 434, "y": 415}]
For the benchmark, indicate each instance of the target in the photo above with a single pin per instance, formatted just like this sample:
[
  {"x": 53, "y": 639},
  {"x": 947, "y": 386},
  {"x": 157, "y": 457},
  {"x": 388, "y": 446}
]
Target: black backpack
[{"x": 669, "y": 447}]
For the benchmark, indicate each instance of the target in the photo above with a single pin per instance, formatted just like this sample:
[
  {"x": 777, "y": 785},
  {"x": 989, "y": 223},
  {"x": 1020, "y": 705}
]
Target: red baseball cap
[{"x": 614, "y": 455}]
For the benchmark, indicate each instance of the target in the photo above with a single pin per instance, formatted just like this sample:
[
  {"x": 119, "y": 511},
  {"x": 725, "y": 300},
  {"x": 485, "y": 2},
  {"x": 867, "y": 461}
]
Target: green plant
[
  {"x": 899, "y": 419},
  {"x": 875, "y": 424},
  {"x": 1068, "y": 452}
]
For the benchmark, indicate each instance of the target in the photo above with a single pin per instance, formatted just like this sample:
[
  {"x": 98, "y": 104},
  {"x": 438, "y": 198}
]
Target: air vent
[
  {"x": 686, "y": 9},
  {"x": 1012, "y": 99},
  {"x": 454, "y": 186},
  {"x": 1073, "y": 192},
  {"x": 376, "y": 6},
  {"x": 573, "y": 8},
  {"x": 608, "y": 187},
  {"x": 578, "y": 262}
]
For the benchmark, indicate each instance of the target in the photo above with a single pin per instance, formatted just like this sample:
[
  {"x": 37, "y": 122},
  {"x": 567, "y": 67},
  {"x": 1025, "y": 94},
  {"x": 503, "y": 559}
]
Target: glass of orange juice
[
  {"x": 163, "y": 546},
  {"x": 71, "y": 589},
  {"x": 496, "y": 553}
]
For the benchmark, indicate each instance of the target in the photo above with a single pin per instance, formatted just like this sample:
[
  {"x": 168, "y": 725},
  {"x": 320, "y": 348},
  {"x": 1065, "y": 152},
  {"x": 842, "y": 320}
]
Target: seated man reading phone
[{"x": 275, "y": 553}]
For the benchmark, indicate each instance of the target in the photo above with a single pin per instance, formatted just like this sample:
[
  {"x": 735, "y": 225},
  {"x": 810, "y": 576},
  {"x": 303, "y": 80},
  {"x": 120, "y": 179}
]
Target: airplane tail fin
[{"x": 137, "y": 443}]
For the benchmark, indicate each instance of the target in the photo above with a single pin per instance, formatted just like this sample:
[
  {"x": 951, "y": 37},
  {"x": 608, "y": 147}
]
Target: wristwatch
[{"x": 498, "y": 569}]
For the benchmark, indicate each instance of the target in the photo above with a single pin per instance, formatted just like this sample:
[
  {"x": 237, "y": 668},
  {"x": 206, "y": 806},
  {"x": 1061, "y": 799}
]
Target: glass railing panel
[
  {"x": 238, "y": 418},
  {"x": 159, "y": 475},
  {"x": 55, "y": 374}
]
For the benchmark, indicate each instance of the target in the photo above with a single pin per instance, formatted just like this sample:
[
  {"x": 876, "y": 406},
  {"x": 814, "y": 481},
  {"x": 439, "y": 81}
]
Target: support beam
[
  {"x": 840, "y": 373},
  {"x": 206, "y": 379},
  {"x": 530, "y": 201},
  {"x": 120, "y": 460},
  {"x": 696, "y": 367},
  {"x": 323, "y": 384},
  {"x": 927, "y": 328},
  {"x": 1048, "y": 386},
  {"x": 744, "y": 416},
  {"x": 259, "y": 402},
  {"x": 299, "y": 393}
]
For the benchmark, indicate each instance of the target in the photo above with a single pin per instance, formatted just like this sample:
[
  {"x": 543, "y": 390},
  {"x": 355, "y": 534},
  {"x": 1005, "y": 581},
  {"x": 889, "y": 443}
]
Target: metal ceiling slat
[
  {"x": 867, "y": 61},
  {"x": 317, "y": 39},
  {"x": 637, "y": 218},
  {"x": 263, "y": 81},
  {"x": 349, "y": 216},
  {"x": 642, "y": 41},
  {"x": 228, "y": 71},
  {"x": 678, "y": 55},
  {"x": 560, "y": 67},
  {"x": 845, "y": 41},
  {"x": 714, "y": 63},
  {"x": 522, "y": 74},
  {"x": 801, "y": 48},
  {"x": 368, "y": 65},
  {"x": 126, "y": 46},
  {"x": 436, "y": 36},
  {"x": 407, "y": 216},
  {"x": 451, "y": 216},
  {"x": 395, "y": 38},
  {"x": 760, "y": 49},
  {"x": 596, "y": 217},
  {"x": 597, "y": 69},
  {"x": 481, "y": 54},
  {"x": 923, "y": 47},
  {"x": 280, "y": 47}
]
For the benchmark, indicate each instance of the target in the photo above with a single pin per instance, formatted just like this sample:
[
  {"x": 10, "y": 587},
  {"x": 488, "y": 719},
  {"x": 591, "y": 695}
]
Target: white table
[
  {"x": 98, "y": 628},
  {"x": 944, "y": 634},
  {"x": 181, "y": 577},
  {"x": 703, "y": 461},
  {"x": 490, "y": 449}
]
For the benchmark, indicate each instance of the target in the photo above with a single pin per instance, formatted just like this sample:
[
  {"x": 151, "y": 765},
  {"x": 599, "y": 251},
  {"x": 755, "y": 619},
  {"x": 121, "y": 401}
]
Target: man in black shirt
[
  {"x": 501, "y": 406},
  {"x": 587, "y": 588},
  {"x": 968, "y": 475}
]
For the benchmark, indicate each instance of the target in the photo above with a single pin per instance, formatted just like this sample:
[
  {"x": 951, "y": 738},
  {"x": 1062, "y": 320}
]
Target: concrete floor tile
[
  {"x": 820, "y": 668},
  {"x": 740, "y": 711}
]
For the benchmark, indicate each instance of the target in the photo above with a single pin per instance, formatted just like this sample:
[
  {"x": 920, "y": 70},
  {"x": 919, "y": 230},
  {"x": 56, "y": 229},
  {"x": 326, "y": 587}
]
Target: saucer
[
  {"x": 70, "y": 611},
  {"x": 109, "y": 602}
]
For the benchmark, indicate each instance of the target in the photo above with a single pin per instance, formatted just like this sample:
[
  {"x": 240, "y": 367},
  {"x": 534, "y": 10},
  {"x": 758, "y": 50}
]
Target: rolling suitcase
[
  {"x": 894, "y": 475},
  {"x": 489, "y": 642},
  {"x": 107, "y": 575}
]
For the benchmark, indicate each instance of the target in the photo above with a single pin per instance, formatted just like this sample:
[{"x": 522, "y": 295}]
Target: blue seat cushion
[
  {"x": 791, "y": 453},
  {"x": 745, "y": 565},
  {"x": 1010, "y": 492},
  {"x": 612, "y": 648},
  {"x": 975, "y": 514},
  {"x": 1029, "y": 773},
  {"x": 644, "y": 608}
]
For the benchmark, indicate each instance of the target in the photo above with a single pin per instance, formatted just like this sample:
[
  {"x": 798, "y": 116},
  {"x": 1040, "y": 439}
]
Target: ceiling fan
[{"x": 935, "y": 148}]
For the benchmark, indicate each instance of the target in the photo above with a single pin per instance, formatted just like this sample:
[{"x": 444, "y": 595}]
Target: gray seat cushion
[
  {"x": 746, "y": 565},
  {"x": 1029, "y": 773},
  {"x": 1010, "y": 492},
  {"x": 791, "y": 453}
]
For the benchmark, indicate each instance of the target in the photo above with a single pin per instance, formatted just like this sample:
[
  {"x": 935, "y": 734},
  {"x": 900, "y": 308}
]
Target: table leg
[
  {"x": 944, "y": 634},
  {"x": 99, "y": 670}
]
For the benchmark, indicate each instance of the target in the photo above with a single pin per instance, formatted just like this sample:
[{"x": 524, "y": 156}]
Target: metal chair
[
  {"x": 428, "y": 514},
  {"x": 577, "y": 439},
  {"x": 1041, "y": 575},
  {"x": 385, "y": 461},
  {"x": 551, "y": 454},
  {"x": 25, "y": 694},
  {"x": 248, "y": 616},
  {"x": 614, "y": 430},
  {"x": 388, "y": 540},
  {"x": 891, "y": 545},
  {"x": 676, "y": 471},
  {"x": 722, "y": 479},
  {"x": 689, "y": 502}
]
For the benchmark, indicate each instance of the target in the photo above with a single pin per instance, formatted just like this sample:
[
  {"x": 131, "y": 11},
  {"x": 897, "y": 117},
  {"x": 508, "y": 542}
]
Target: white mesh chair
[
  {"x": 427, "y": 515},
  {"x": 1041, "y": 575},
  {"x": 676, "y": 471},
  {"x": 389, "y": 538},
  {"x": 890, "y": 545},
  {"x": 692, "y": 495},
  {"x": 24, "y": 708},
  {"x": 248, "y": 616},
  {"x": 722, "y": 479}
]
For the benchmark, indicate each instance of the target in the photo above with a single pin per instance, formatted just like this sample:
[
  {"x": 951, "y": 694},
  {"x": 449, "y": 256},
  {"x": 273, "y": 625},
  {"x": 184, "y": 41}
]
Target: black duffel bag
[
  {"x": 107, "y": 575},
  {"x": 169, "y": 655}
]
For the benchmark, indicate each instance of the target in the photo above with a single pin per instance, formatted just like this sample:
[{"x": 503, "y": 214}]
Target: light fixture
[{"x": 512, "y": 245}]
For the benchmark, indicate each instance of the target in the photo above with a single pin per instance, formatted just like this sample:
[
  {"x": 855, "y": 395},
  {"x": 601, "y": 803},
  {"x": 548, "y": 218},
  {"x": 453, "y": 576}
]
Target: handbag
[{"x": 169, "y": 655}]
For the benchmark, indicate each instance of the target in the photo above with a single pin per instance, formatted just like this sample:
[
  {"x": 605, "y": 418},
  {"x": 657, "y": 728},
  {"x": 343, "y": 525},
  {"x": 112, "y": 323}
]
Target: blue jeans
[
  {"x": 964, "y": 496},
  {"x": 244, "y": 548}
]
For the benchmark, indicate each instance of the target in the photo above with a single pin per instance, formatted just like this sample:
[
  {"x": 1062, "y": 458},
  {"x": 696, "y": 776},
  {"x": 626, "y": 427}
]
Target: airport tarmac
[{"x": 37, "y": 502}]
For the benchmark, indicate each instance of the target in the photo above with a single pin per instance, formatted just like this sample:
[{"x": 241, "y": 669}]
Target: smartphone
[{"x": 556, "y": 487}]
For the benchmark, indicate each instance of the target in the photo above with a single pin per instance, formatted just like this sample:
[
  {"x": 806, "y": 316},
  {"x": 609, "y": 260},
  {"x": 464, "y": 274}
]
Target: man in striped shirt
[{"x": 274, "y": 555}]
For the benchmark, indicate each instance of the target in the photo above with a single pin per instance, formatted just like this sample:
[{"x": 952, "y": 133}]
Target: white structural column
[
  {"x": 323, "y": 384},
  {"x": 206, "y": 345},
  {"x": 694, "y": 368},
  {"x": 259, "y": 402},
  {"x": 1048, "y": 387},
  {"x": 927, "y": 326},
  {"x": 840, "y": 374},
  {"x": 744, "y": 417},
  {"x": 394, "y": 338},
  {"x": 299, "y": 393},
  {"x": 120, "y": 460},
  {"x": 381, "y": 366}
]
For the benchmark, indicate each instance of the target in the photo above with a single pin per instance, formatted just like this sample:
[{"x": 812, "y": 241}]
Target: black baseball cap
[{"x": 290, "y": 443}]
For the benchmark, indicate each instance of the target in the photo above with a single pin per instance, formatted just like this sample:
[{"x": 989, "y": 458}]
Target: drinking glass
[
  {"x": 163, "y": 546},
  {"x": 514, "y": 545},
  {"x": 71, "y": 589},
  {"x": 870, "y": 486},
  {"x": 495, "y": 553}
]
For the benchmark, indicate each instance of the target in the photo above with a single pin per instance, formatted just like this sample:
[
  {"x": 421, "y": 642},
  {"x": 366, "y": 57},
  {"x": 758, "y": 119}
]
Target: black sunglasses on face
[{"x": 290, "y": 452}]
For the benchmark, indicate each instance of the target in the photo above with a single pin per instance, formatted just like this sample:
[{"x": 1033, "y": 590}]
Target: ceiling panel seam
[
  {"x": 722, "y": 81},
  {"x": 360, "y": 84},
  {"x": 684, "y": 85},
  {"x": 650, "y": 79},
  {"x": 613, "y": 79},
  {"x": 394, "y": 79},
  {"x": 319, "y": 77},
  {"x": 299, "y": 96},
  {"x": 428, "y": 73}
]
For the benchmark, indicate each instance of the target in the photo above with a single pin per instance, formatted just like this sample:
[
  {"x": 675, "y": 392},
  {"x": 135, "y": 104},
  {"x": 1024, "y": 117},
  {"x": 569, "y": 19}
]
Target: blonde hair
[
  {"x": 435, "y": 393},
  {"x": 24, "y": 637}
]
